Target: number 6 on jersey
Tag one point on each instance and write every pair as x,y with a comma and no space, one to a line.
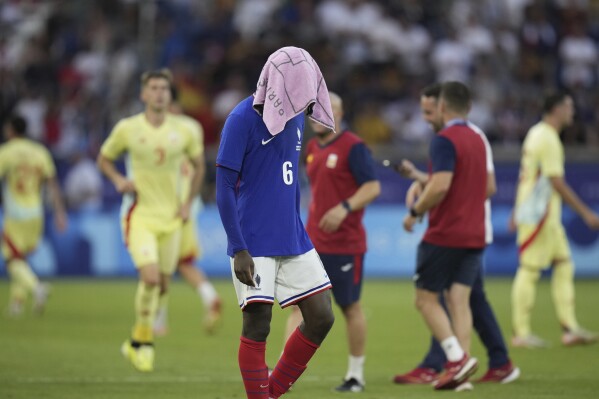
287,173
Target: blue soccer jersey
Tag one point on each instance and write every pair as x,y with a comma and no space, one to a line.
267,193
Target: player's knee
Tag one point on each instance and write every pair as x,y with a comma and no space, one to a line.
256,321
320,322
528,272
151,281
256,331
163,289
422,302
352,310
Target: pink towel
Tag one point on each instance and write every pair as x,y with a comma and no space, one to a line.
289,83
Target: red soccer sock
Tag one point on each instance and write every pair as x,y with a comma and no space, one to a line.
296,355
254,371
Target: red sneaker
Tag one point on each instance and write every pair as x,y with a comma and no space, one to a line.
419,375
457,372
503,375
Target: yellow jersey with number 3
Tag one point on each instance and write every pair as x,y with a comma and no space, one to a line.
24,165
542,158
154,159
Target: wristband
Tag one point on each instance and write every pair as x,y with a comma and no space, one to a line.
413,213
346,205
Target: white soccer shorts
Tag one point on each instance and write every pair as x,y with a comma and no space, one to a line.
289,279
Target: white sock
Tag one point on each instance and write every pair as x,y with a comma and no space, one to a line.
452,348
207,292
355,368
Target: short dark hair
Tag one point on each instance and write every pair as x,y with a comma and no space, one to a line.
457,96
163,73
18,124
552,99
432,90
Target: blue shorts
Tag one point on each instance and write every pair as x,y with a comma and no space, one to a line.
345,272
437,267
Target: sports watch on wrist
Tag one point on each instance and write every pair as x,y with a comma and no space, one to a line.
413,213
346,205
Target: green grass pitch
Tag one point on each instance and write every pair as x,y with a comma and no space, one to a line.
73,350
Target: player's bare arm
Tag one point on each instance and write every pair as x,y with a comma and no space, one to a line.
121,183
199,165
491,184
333,218
60,214
434,192
414,191
408,170
573,200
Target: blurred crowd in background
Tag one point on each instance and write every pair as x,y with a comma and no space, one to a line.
71,68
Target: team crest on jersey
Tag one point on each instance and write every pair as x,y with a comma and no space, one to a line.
332,161
298,147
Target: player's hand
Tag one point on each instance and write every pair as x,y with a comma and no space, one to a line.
125,186
243,265
592,221
60,221
185,211
331,220
413,193
406,169
408,223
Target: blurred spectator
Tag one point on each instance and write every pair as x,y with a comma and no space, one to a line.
83,184
451,58
69,66
578,54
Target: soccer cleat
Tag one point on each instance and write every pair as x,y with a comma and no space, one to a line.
420,375
579,337
457,373
530,342
213,316
40,298
464,386
503,375
141,358
351,385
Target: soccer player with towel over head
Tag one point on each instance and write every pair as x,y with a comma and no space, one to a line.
258,200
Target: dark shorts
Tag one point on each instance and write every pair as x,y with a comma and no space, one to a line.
437,267
345,273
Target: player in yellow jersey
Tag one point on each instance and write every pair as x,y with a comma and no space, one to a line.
190,248
24,167
542,240
152,212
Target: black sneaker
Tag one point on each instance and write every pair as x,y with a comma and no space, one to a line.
351,385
